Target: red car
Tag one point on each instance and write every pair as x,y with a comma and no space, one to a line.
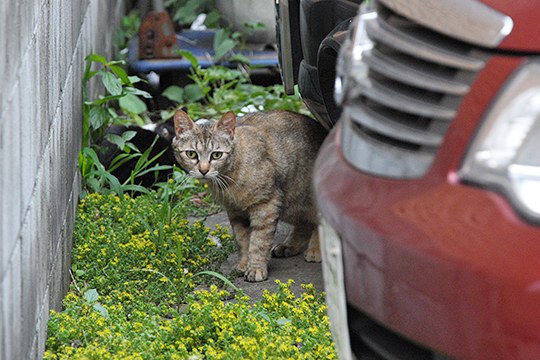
429,184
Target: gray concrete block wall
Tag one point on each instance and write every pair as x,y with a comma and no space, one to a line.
42,48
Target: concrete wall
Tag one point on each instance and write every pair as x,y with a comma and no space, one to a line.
42,48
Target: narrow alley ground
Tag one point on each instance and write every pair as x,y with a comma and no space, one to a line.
283,269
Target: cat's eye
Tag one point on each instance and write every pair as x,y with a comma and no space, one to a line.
191,154
216,155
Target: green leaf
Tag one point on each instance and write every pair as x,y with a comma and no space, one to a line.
91,295
132,147
188,12
134,79
220,277
121,159
174,93
114,183
98,117
90,154
264,315
254,25
90,74
74,269
222,44
93,184
128,135
212,19
101,309
144,161
116,140
154,168
240,59
220,36
96,58
105,99
190,57
111,82
223,48
135,91
137,188
116,62
121,73
132,104
193,93
283,321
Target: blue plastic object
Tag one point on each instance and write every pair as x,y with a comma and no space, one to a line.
200,44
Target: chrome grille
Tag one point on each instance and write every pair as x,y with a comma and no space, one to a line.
401,104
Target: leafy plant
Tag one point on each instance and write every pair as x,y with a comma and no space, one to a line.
184,12
91,298
279,326
136,265
139,244
120,88
120,105
224,42
97,178
218,89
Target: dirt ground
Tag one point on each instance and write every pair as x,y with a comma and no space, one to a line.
283,269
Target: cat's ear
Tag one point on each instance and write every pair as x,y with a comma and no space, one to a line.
227,123
182,122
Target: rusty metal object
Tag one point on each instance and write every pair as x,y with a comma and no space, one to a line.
156,36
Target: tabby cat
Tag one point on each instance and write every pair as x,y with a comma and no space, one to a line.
259,169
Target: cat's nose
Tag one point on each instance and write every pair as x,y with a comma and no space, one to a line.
204,167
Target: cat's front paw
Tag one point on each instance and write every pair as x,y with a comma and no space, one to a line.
313,254
285,250
256,274
241,266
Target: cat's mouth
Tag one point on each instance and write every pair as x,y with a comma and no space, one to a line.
204,178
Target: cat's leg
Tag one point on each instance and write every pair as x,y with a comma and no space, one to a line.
240,228
296,241
313,251
263,224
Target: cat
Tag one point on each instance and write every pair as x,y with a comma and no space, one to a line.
259,169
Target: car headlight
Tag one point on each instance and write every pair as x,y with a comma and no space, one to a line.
505,153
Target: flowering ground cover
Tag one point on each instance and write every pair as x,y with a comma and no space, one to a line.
138,267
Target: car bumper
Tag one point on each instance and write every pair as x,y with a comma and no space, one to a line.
445,265
332,264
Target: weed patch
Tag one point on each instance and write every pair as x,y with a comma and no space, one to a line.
136,265
279,326
137,246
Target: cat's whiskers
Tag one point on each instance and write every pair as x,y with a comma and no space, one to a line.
227,178
223,186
